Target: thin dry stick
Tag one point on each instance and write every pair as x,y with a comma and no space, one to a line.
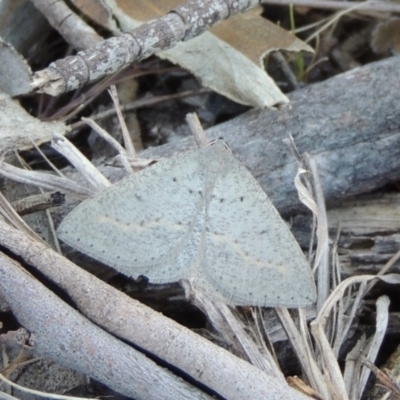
182,23
12,217
38,202
95,178
197,130
44,180
45,158
106,136
129,148
384,270
386,379
303,352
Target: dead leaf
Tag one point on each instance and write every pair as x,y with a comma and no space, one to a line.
227,60
386,37
97,11
19,129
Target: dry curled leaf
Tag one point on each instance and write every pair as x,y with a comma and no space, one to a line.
229,58
97,11
386,37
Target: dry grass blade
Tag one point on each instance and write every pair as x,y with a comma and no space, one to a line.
129,148
333,321
322,253
230,327
333,20
106,136
303,193
382,317
318,327
352,368
346,314
386,379
43,180
330,366
304,353
96,179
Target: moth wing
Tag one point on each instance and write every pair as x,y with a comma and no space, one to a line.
140,225
251,257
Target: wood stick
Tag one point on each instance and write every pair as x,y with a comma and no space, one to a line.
182,23
126,318
65,336
349,124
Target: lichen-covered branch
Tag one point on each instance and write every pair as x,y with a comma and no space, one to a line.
182,23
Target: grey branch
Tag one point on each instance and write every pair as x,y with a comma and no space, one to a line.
73,29
125,318
63,335
182,23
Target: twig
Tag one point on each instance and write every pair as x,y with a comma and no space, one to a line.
44,180
182,23
385,378
38,202
128,319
